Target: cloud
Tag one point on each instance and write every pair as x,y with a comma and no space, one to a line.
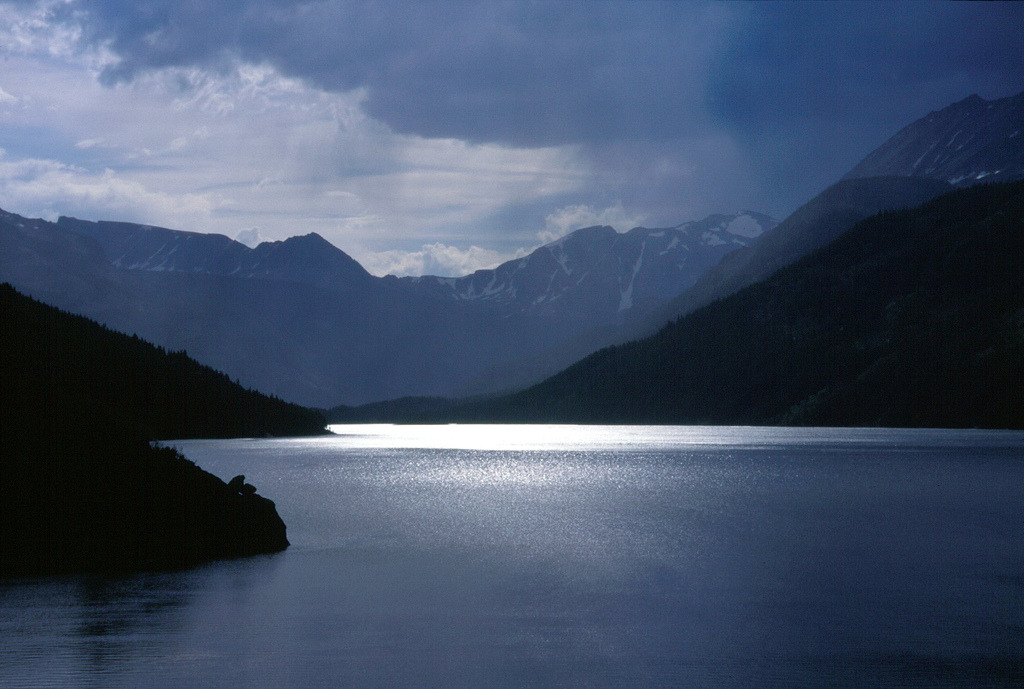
570,218
250,237
527,75
270,151
807,89
434,259
50,27
572,72
47,188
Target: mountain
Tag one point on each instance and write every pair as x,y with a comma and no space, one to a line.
302,320
971,141
965,143
82,489
55,356
300,340
911,318
309,259
813,225
604,274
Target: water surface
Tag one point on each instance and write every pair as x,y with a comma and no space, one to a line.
573,556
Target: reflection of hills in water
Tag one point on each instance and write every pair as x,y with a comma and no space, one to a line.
122,628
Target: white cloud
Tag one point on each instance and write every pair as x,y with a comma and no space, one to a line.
30,29
251,148
570,218
434,259
251,237
47,189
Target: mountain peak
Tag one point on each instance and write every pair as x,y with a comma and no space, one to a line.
585,234
308,238
973,140
973,99
308,258
311,239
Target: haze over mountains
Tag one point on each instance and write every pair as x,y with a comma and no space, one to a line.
302,320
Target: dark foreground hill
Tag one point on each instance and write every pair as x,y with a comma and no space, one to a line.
81,488
912,318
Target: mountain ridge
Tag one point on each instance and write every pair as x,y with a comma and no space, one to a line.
964,143
307,323
300,319
814,224
598,260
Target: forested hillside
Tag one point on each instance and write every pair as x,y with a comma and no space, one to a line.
55,360
81,488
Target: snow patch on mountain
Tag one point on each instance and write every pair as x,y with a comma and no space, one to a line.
626,295
744,225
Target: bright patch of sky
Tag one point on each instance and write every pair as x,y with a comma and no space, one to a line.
249,153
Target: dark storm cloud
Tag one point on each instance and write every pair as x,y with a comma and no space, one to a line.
802,90
520,73
825,61
821,84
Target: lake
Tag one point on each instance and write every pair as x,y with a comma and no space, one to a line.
573,556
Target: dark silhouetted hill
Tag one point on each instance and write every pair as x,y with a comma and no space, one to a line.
81,488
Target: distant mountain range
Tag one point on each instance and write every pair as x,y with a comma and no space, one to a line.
308,259
302,320
722,376
604,273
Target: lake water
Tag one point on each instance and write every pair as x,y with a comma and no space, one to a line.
568,556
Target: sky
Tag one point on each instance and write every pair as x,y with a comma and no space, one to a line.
444,137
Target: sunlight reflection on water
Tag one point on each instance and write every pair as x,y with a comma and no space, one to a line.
510,556
548,437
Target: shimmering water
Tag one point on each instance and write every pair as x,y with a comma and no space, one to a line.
554,556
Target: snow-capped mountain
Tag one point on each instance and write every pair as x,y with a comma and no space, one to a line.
605,272
968,142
